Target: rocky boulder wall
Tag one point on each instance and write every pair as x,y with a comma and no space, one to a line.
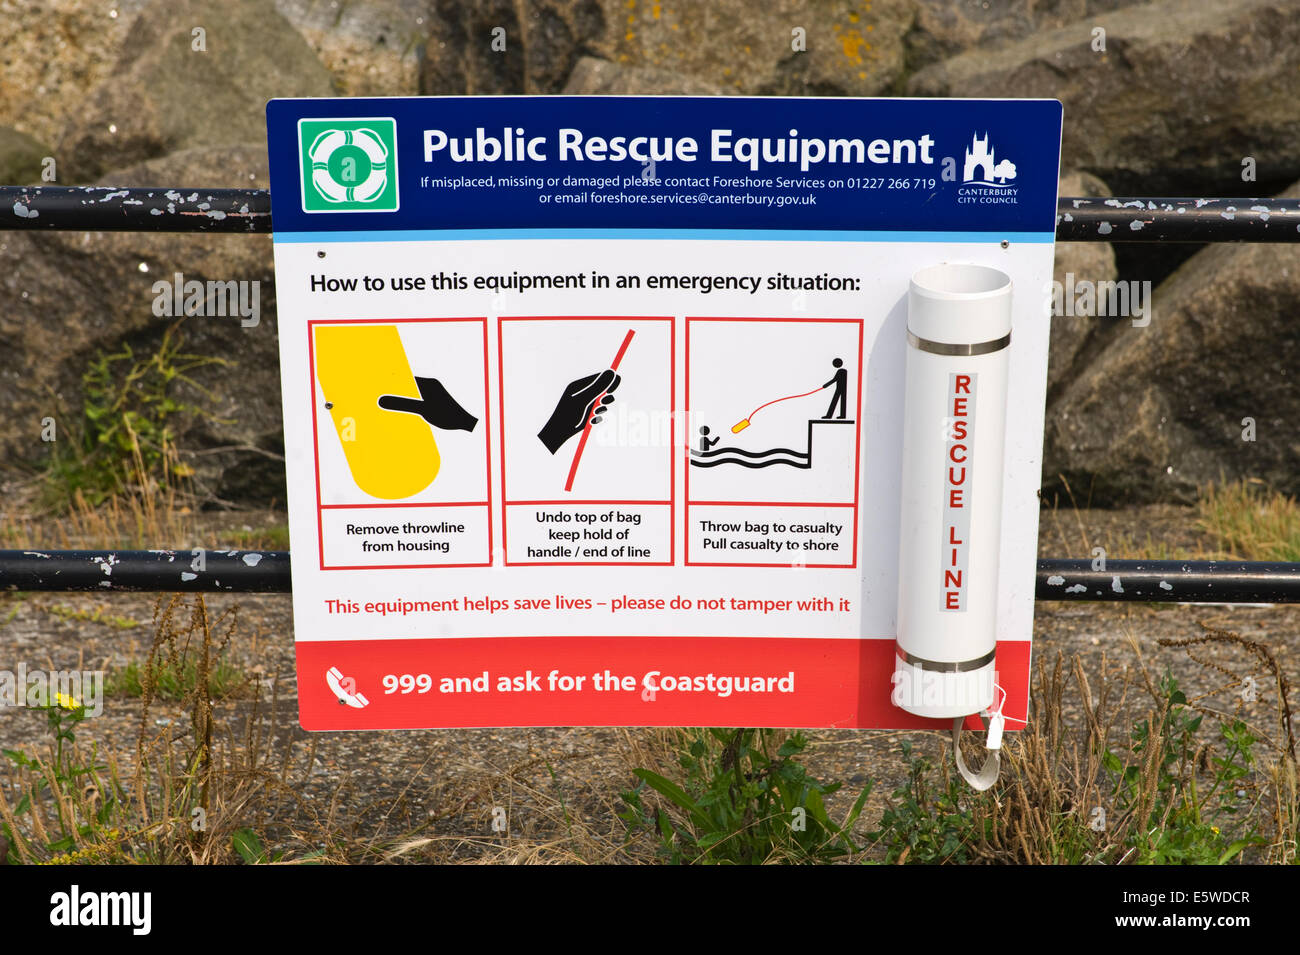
780,47
1182,93
68,297
166,95
1210,389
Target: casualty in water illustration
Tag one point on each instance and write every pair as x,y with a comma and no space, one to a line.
708,456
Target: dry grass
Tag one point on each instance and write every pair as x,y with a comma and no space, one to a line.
226,769
1276,729
1056,784
1074,538
249,773
530,789
184,792
144,518
1053,773
1249,522
1238,520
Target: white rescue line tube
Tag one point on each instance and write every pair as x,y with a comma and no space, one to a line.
954,431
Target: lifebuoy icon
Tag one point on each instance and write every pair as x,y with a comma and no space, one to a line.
337,181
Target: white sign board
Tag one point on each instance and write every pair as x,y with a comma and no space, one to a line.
593,406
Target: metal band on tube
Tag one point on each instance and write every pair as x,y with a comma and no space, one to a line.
962,666
945,348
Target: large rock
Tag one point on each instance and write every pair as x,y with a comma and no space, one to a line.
1181,94
1160,409
945,28
600,77
165,95
783,47
21,158
53,55
371,49
68,297
1077,331
503,46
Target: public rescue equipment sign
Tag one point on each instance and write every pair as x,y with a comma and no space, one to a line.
662,410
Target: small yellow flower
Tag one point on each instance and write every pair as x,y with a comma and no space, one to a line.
1215,829
65,701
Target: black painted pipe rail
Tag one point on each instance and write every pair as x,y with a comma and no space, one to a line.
168,571
109,209
1165,581
1177,220
160,209
1169,581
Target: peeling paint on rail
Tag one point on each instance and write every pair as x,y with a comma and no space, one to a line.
1237,582
1115,219
119,209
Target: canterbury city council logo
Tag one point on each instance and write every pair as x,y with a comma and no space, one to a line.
348,165
983,167
986,177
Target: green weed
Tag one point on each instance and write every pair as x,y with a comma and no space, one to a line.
741,803
125,440
95,615
54,811
173,680
925,821
272,537
1166,792
1173,819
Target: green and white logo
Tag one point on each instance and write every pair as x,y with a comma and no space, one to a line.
348,165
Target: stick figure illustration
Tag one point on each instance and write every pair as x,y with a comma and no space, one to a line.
840,380
705,441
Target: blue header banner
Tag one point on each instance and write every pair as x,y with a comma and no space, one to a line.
778,164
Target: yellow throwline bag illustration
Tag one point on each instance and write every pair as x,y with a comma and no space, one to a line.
390,455
368,385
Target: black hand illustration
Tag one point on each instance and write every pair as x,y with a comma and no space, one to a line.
435,405
577,405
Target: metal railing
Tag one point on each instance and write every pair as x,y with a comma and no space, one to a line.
246,211
1163,581
133,209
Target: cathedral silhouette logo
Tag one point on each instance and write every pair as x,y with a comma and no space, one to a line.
982,167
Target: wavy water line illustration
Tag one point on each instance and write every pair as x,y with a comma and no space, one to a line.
802,465
749,454
762,459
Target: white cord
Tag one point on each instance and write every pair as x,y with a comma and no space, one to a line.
988,773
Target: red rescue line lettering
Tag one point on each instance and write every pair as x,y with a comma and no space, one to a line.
960,404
